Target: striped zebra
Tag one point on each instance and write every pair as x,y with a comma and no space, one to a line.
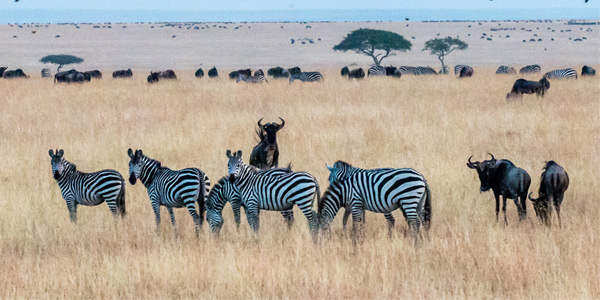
45,73
89,189
506,70
424,71
276,193
307,77
342,171
170,188
406,70
376,71
381,192
251,79
567,73
530,69
459,68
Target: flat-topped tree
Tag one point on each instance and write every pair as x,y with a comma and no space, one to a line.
443,47
61,60
378,44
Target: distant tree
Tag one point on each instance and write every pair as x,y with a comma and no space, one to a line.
378,44
443,47
61,60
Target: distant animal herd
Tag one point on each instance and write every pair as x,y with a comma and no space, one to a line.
263,185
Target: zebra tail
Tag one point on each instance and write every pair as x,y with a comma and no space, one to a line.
202,195
318,204
121,201
426,209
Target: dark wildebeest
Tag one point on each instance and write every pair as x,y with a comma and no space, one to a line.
235,74
86,76
265,155
505,180
18,73
359,74
94,73
553,185
168,74
294,71
391,71
153,77
523,86
2,69
213,72
466,71
199,73
122,73
345,71
278,72
588,71
69,76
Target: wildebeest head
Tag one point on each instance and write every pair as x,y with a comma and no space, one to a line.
58,163
153,77
269,131
2,69
135,164
540,205
234,165
483,170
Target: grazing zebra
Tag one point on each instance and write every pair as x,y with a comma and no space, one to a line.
382,192
88,189
530,69
506,70
424,71
406,70
307,77
376,71
278,193
225,191
459,68
561,74
170,188
251,79
342,171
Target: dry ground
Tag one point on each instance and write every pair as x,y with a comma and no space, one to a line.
432,124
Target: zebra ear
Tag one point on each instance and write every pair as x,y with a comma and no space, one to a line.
329,168
51,152
239,153
130,153
228,153
60,153
139,153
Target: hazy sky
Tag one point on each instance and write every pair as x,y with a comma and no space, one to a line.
229,5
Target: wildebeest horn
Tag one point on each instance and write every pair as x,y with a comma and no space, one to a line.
492,156
260,125
282,123
471,164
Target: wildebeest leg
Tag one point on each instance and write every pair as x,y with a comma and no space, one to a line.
557,202
504,209
497,205
391,222
170,210
288,216
518,205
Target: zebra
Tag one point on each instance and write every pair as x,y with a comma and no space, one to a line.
342,171
567,73
263,192
225,191
376,71
170,188
459,68
424,71
406,70
530,69
307,77
506,70
89,189
381,192
251,79
45,73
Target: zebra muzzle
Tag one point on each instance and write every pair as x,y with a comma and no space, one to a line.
132,178
232,178
56,175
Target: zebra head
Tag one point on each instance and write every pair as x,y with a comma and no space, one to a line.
338,171
135,165
58,163
234,165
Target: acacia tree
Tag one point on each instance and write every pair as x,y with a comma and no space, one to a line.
443,47
378,44
61,60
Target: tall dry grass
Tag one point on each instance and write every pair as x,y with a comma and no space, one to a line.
432,124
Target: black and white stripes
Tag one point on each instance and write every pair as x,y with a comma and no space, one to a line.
561,74
307,77
530,69
376,71
88,189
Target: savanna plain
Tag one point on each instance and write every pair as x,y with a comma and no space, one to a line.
431,123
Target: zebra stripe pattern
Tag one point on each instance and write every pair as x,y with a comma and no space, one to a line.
251,79
381,192
424,71
561,74
89,189
277,193
406,70
458,68
170,188
506,70
530,69
307,77
376,71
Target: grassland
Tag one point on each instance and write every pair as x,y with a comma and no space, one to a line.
432,124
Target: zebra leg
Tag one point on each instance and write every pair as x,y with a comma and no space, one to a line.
414,228
313,220
347,212
170,210
191,206
72,207
235,206
288,216
357,222
253,216
391,222
156,209
112,205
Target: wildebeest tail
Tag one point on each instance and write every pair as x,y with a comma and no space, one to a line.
121,200
425,208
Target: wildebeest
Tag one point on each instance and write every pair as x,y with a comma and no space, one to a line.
2,69
530,69
466,71
265,155
523,86
259,72
359,74
94,73
588,71
213,73
506,180
391,71
554,183
234,74
122,73
199,73
294,71
345,71
278,72
155,76
70,76
18,73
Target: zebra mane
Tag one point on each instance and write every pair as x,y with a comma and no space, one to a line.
261,135
215,189
341,164
152,160
70,165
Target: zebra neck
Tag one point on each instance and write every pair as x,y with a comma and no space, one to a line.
216,197
68,173
150,169
247,173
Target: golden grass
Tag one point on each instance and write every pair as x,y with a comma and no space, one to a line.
432,124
